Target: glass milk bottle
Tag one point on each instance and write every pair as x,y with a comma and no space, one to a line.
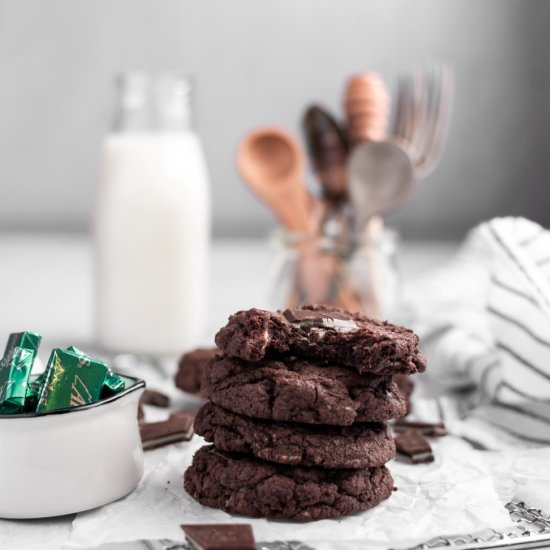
152,221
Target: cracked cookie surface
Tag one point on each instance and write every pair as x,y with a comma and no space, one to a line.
356,446
253,487
325,334
298,391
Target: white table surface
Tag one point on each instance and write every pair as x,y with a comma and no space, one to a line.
46,285
46,281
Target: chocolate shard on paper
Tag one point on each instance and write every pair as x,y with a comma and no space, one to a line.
415,446
179,427
155,398
234,536
429,429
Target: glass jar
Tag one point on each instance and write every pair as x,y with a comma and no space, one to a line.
152,221
358,275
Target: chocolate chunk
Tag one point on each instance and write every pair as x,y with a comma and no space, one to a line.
299,391
241,484
355,446
234,536
339,337
317,316
430,429
415,446
155,398
190,369
303,318
179,427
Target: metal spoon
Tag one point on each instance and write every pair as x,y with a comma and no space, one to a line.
380,176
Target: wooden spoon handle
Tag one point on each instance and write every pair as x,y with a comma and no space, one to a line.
367,107
271,162
292,204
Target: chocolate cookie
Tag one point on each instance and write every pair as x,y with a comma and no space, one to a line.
323,333
357,446
253,487
191,367
298,391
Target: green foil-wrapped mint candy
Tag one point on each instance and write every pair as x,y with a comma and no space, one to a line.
113,383
15,370
33,391
71,379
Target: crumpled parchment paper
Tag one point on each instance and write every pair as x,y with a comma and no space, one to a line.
455,494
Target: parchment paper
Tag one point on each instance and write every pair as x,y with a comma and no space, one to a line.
453,495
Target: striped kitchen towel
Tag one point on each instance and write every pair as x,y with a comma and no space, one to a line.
485,326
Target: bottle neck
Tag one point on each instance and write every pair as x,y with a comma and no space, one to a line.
153,104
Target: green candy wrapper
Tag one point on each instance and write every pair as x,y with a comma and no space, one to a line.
28,340
113,383
15,370
33,391
71,379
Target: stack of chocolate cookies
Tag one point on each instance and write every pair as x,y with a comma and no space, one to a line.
297,412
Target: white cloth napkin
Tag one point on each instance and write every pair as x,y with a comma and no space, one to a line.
484,323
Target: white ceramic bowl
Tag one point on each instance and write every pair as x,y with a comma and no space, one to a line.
69,460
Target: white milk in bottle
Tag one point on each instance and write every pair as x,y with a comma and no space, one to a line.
152,222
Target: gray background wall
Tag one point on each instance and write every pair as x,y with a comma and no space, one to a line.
262,62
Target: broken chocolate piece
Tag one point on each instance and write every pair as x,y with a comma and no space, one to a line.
297,315
320,319
415,446
155,398
236,536
179,427
429,429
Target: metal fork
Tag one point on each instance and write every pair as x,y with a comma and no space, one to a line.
423,108
382,174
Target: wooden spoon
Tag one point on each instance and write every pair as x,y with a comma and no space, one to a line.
272,163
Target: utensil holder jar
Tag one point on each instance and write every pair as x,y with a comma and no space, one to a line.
359,273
